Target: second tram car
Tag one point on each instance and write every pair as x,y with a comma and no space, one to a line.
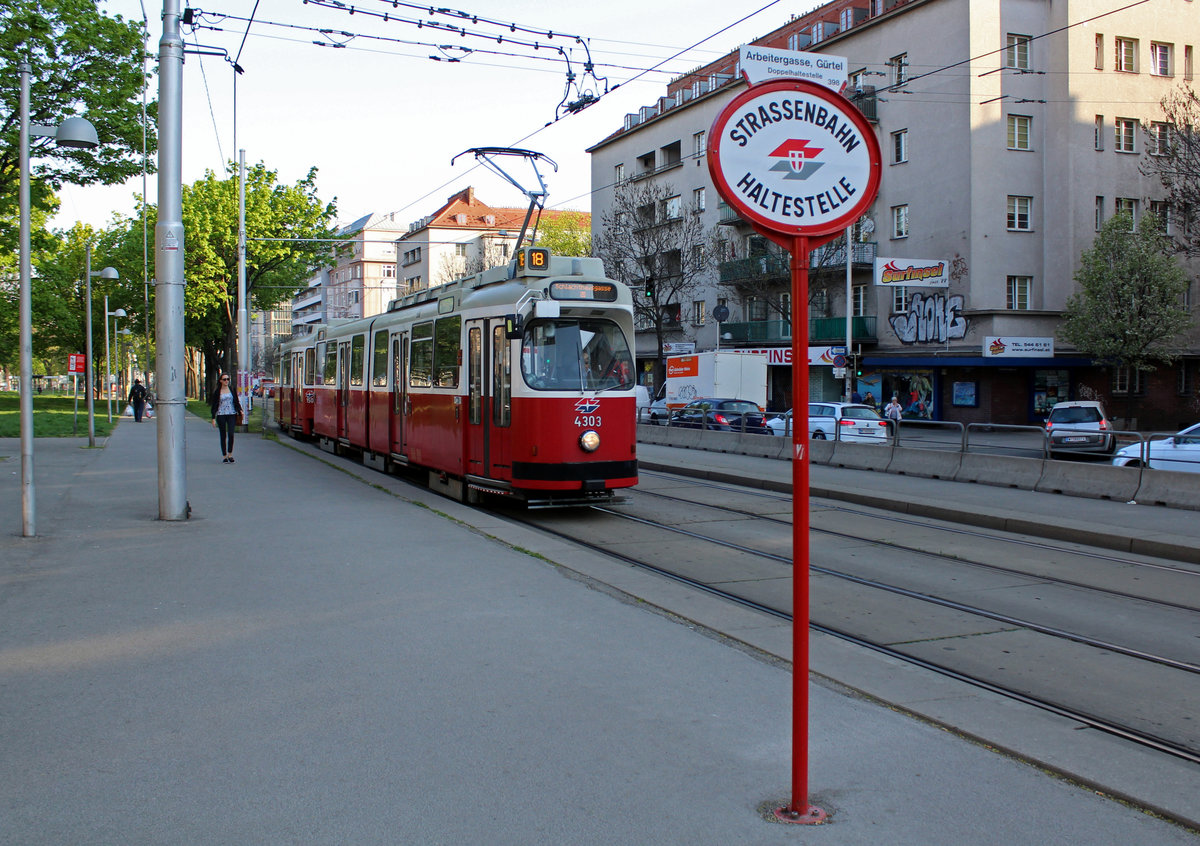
517,381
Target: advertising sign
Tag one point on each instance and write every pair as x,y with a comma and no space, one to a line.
912,273
1010,347
763,64
794,158
76,363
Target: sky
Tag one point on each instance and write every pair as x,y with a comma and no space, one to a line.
381,121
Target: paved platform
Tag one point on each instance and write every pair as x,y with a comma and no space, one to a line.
311,659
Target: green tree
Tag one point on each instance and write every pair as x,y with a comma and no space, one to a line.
1128,310
288,235
82,62
566,233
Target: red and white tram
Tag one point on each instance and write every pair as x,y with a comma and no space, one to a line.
295,391
517,381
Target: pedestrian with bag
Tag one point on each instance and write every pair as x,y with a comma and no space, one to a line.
137,399
226,411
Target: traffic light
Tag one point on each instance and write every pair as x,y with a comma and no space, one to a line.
650,288
858,367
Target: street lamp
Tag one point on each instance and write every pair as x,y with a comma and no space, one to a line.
107,358
109,273
72,132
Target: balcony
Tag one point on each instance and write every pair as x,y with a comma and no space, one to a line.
777,266
821,330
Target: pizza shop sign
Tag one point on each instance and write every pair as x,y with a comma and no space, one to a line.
795,158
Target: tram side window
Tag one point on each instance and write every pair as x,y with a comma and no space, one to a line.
501,378
330,364
310,366
379,368
357,356
447,357
475,377
420,356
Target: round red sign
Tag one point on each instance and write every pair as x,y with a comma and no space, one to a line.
794,157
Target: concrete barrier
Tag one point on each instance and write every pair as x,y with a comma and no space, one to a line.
861,456
926,463
762,446
1099,481
1170,488
819,452
1005,471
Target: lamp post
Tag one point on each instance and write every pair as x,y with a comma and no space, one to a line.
107,358
109,273
72,132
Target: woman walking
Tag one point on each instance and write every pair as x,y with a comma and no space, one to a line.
226,411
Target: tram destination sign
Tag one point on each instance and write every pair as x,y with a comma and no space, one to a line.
601,291
795,158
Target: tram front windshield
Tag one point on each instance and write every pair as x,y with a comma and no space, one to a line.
574,355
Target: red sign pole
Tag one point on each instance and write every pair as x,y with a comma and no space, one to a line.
799,811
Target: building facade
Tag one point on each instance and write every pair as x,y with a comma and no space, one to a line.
464,236
1010,130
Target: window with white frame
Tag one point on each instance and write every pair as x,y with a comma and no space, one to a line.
698,312
898,69
671,208
1016,52
699,144
1161,209
785,304
900,146
1187,62
1099,213
1099,51
846,19
1127,205
900,221
1159,138
699,199
899,299
1020,212
619,174
460,250
1160,59
858,301
1019,132
1017,290
1126,58
1125,135
1128,380
756,308
389,271
1098,140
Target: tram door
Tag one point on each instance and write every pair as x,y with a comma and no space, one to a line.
489,399
343,389
400,405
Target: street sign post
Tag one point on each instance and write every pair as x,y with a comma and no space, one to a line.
801,164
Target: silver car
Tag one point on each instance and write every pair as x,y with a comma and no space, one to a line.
1180,452
842,421
1080,426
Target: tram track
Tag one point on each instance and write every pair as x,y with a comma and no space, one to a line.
959,559
1120,669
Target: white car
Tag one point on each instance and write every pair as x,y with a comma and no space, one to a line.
1180,452
842,421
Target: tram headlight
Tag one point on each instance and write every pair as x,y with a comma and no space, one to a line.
590,440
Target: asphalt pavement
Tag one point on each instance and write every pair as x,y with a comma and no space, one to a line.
325,654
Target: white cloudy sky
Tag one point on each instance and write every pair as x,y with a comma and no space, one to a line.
382,121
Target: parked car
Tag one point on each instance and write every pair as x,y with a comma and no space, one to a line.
845,421
1180,452
722,414
656,413
1080,426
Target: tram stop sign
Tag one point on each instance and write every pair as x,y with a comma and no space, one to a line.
794,158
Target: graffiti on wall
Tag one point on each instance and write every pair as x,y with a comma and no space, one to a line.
931,319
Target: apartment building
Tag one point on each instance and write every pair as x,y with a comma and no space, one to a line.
1011,130
465,235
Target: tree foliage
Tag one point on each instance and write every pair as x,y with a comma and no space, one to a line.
655,242
1173,157
289,231
1128,309
566,233
82,63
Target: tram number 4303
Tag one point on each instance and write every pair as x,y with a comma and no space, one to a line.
592,421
